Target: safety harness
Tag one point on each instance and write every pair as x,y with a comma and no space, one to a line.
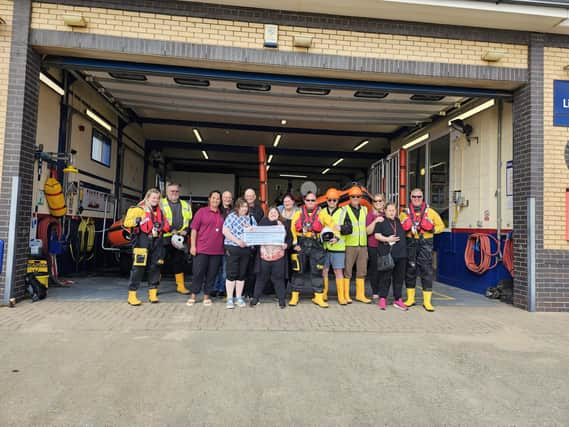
308,223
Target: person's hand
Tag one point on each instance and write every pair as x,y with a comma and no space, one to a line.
183,233
284,245
242,244
193,251
393,238
333,240
297,248
379,219
337,228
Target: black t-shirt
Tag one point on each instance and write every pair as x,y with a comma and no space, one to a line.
387,228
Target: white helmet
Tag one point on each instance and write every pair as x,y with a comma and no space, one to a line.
178,241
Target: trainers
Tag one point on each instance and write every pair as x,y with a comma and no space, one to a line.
399,304
382,304
241,302
229,303
375,299
254,302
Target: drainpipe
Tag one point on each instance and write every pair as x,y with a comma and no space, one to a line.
499,180
402,179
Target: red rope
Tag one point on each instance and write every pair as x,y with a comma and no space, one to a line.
486,254
508,258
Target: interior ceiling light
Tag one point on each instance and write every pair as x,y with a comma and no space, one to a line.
268,167
270,159
416,141
191,82
95,117
128,76
337,162
198,136
370,94
325,171
426,97
51,84
277,140
283,122
205,154
288,175
312,91
361,145
260,87
473,111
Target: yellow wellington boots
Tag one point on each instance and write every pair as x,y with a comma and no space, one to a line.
347,290
153,295
341,292
180,287
325,291
410,301
132,299
319,300
361,291
294,298
427,301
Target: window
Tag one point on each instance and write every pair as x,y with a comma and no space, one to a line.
417,170
101,148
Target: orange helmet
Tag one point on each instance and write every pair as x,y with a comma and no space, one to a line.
355,191
332,193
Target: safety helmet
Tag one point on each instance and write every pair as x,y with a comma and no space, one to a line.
178,241
332,193
326,234
355,191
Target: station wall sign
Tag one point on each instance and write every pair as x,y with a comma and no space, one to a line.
560,103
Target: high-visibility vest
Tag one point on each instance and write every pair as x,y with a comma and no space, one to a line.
359,234
338,218
186,214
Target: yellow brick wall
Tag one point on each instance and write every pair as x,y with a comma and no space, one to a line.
250,35
6,7
556,174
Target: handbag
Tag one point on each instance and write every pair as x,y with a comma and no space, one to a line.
385,262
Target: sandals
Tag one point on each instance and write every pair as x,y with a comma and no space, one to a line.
191,302
207,302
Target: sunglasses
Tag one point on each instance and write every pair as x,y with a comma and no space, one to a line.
378,201
309,200
416,197
355,197
333,200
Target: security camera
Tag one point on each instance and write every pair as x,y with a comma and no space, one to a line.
462,127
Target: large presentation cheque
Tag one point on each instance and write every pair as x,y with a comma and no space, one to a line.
265,235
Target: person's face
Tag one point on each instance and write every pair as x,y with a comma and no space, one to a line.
227,198
332,203
173,193
378,203
310,201
214,200
273,214
416,198
250,196
288,203
355,200
243,209
390,212
154,199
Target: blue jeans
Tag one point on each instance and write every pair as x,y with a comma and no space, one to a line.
219,284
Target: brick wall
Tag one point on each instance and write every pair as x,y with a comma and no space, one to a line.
155,26
5,40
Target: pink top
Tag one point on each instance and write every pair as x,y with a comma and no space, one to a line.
371,240
209,226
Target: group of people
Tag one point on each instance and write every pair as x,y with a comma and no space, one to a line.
348,239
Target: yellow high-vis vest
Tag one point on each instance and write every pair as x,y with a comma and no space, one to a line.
186,214
359,234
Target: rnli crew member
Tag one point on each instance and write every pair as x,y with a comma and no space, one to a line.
148,225
335,248
308,256
421,223
356,246
179,214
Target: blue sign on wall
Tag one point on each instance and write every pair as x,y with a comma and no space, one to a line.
561,103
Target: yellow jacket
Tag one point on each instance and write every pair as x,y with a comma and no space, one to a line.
324,218
433,216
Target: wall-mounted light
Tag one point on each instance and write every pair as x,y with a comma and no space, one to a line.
337,162
325,171
493,55
277,140
283,122
198,136
566,67
51,84
361,145
302,41
74,21
288,175
204,153
473,111
98,119
416,141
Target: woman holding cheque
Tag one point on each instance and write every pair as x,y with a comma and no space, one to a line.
272,263
391,242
